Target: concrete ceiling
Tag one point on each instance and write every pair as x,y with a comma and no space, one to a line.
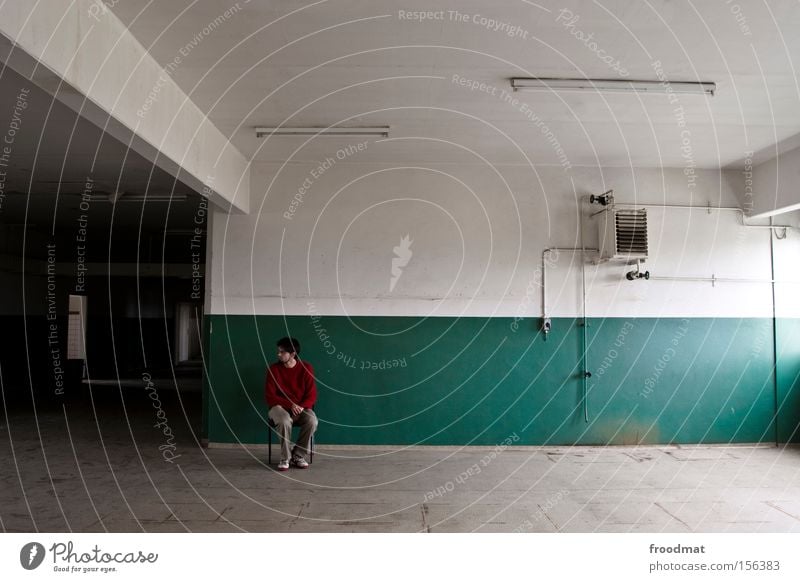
364,63
53,152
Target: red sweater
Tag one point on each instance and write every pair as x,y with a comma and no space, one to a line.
286,386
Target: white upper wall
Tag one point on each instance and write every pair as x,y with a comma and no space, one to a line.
787,257
323,239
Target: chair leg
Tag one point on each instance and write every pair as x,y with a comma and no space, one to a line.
269,445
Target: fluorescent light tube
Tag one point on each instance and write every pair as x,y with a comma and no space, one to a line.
381,130
613,85
100,197
152,198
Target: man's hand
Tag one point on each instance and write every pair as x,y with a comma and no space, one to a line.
296,410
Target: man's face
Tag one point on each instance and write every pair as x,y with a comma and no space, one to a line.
284,356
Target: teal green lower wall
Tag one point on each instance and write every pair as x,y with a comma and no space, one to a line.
479,381
788,385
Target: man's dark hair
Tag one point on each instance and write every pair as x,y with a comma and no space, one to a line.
289,344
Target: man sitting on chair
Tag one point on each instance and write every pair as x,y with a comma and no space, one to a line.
291,391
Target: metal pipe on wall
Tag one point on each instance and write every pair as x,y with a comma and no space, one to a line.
774,330
585,373
557,249
714,280
742,216
585,324
584,351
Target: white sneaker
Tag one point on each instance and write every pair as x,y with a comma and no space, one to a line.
299,462
283,465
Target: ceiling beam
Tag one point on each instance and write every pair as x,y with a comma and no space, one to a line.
89,60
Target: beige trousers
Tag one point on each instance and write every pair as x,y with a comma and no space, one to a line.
306,420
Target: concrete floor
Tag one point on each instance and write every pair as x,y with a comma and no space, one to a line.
104,472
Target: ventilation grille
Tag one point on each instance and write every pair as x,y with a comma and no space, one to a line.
631,231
